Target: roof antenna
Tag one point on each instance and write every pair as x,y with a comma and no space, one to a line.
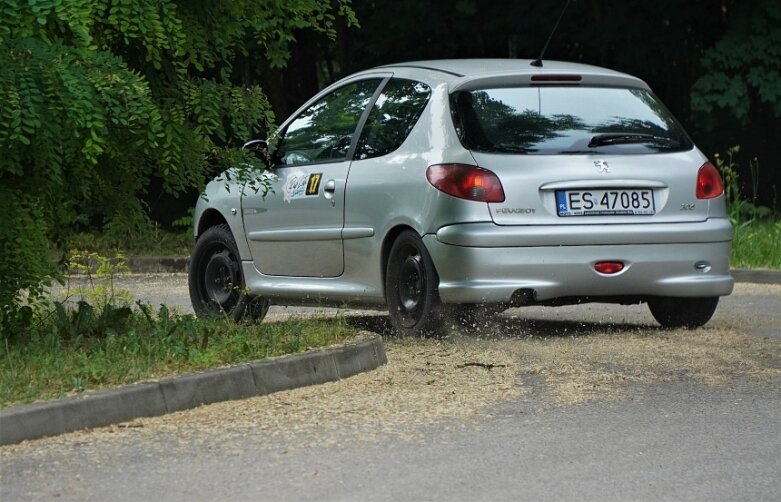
538,62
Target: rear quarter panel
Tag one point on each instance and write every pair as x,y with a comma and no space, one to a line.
391,191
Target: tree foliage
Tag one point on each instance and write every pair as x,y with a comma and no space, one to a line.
98,97
743,70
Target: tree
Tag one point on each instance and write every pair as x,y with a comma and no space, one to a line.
97,97
743,70
737,98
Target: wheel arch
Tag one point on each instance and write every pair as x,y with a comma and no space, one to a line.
411,284
387,244
210,218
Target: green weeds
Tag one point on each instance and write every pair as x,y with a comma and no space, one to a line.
756,242
740,209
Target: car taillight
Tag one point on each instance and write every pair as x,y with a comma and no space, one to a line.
709,184
466,182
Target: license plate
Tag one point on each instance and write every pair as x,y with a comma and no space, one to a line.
632,202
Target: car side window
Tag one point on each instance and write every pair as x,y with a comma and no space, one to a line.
324,131
392,117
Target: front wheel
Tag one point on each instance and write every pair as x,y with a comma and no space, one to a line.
216,281
673,312
411,283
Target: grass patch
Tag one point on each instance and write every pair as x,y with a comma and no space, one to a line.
757,244
93,336
92,350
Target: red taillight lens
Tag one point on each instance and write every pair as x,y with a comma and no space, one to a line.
709,184
608,267
466,182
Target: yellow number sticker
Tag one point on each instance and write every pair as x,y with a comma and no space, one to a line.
313,186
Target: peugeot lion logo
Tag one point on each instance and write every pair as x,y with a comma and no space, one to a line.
602,165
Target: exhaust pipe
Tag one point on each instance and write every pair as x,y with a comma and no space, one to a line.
523,297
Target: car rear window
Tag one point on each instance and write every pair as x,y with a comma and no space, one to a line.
566,120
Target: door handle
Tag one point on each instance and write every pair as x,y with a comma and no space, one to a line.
328,191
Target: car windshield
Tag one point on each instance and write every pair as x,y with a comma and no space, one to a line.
566,120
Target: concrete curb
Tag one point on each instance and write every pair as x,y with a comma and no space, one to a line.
151,399
759,276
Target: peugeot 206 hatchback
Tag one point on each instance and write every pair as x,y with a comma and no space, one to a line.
466,186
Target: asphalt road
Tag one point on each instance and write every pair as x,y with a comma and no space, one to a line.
677,440
671,442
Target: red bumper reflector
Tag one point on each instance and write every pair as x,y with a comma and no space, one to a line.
609,267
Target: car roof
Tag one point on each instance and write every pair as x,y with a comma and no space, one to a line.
465,74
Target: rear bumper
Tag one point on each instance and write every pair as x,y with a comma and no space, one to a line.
477,269
491,235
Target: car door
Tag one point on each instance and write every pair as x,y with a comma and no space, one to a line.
296,228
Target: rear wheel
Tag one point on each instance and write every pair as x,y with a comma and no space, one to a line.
411,288
216,281
673,312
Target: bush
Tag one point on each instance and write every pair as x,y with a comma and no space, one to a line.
100,97
25,263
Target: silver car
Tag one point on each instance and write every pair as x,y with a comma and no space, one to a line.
461,187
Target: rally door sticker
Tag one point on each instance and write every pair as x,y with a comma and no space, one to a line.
299,185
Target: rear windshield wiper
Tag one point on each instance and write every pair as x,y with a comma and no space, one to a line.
620,138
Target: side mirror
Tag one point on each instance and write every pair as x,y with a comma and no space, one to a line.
256,145
260,149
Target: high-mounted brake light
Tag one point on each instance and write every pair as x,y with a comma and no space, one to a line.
466,182
556,78
709,184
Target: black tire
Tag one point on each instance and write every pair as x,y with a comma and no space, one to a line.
673,312
216,282
411,283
